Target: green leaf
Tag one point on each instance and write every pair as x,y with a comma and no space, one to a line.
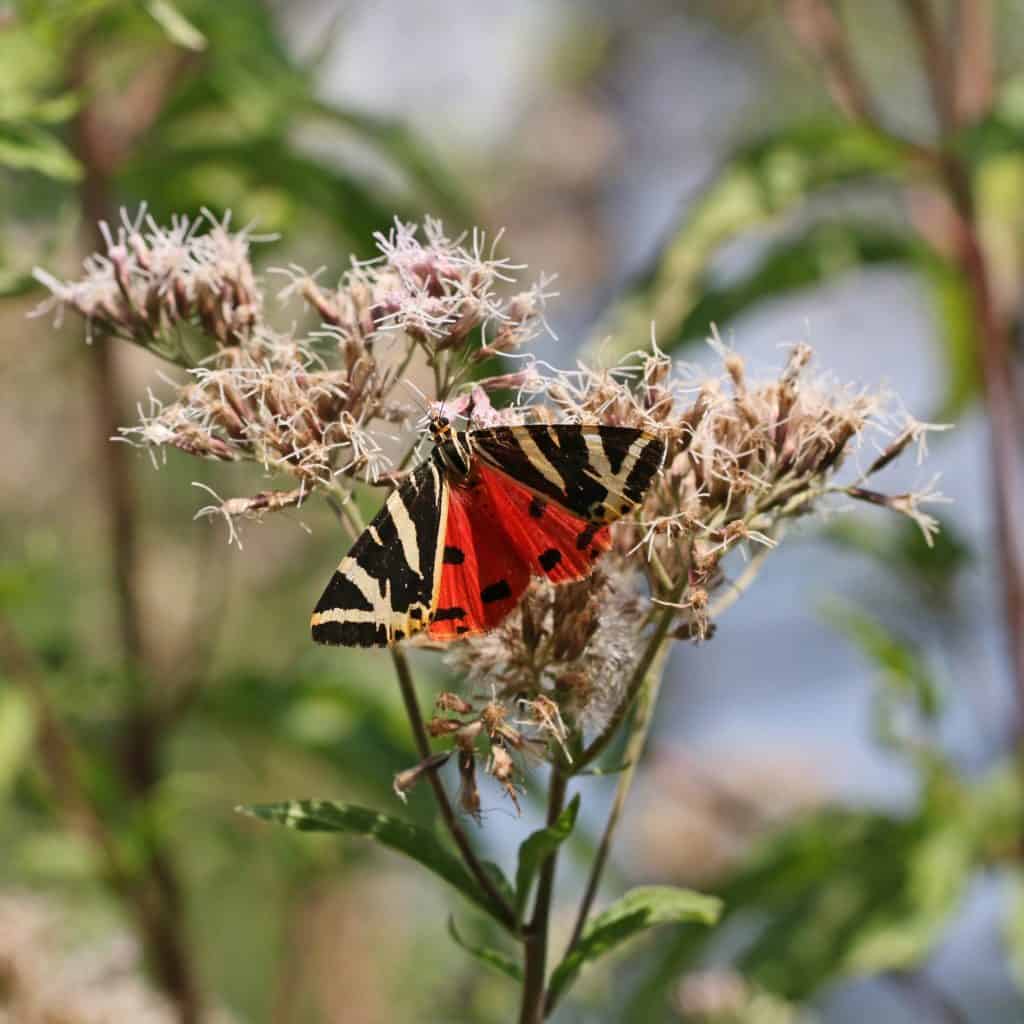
956,328
409,153
177,27
835,893
263,179
491,957
641,908
17,731
902,667
415,842
823,252
899,547
26,147
16,282
538,846
758,183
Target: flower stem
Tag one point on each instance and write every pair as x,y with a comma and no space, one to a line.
639,729
503,911
535,940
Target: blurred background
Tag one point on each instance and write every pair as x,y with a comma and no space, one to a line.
841,761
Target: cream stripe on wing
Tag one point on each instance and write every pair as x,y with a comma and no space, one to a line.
406,534
540,461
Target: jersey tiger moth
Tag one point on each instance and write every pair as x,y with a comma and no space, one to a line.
457,543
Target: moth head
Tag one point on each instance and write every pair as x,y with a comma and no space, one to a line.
440,428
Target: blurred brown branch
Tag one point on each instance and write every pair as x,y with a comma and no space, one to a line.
101,150
960,84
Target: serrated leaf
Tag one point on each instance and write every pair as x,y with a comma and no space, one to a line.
641,908
492,957
411,840
26,147
538,846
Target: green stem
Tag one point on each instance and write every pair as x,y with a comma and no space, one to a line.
503,910
639,730
535,939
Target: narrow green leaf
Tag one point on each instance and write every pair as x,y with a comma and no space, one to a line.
177,27
956,329
538,846
822,253
409,153
756,184
17,730
902,667
15,282
26,147
491,957
641,908
899,547
413,841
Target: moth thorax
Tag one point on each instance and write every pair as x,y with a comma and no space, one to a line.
455,453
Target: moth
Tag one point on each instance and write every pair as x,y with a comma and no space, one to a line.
456,544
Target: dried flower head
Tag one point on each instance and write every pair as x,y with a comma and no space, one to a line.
743,455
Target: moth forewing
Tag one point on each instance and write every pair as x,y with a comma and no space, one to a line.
596,472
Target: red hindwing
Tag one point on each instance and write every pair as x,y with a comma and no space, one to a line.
499,534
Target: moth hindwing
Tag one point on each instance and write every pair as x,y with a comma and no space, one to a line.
386,586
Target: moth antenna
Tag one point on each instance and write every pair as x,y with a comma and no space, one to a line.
422,402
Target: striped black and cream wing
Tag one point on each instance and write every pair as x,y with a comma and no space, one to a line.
385,587
598,473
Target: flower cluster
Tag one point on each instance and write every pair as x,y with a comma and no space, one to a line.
317,408
153,283
743,456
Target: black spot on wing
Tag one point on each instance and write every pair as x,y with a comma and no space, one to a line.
585,536
537,507
563,446
449,614
453,555
495,592
549,559
351,634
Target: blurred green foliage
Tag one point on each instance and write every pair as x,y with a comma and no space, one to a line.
208,108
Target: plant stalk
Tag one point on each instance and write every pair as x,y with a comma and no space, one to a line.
503,910
535,940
